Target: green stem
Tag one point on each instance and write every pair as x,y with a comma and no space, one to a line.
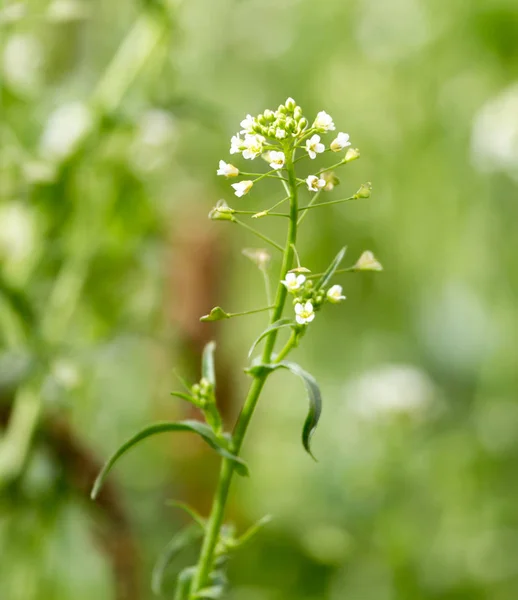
260,235
215,521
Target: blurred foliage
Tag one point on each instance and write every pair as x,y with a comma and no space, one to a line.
113,116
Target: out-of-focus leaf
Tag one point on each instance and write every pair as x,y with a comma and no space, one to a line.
186,397
251,531
207,363
202,429
183,587
212,593
181,540
216,314
190,511
273,327
330,271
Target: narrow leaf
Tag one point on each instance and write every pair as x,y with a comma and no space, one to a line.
251,531
186,397
330,271
183,587
212,593
207,363
202,429
216,314
181,540
315,398
190,511
273,327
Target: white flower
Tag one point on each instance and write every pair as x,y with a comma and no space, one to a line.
324,122
253,146
293,282
315,183
247,124
340,142
66,128
314,147
277,159
280,134
304,313
227,170
242,187
334,294
235,144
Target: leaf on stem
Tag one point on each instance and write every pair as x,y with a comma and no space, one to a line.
186,397
183,587
178,542
252,531
213,593
202,429
273,327
207,363
330,271
195,515
216,314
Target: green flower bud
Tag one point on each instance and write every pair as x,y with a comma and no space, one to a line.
222,212
269,115
196,390
297,113
262,119
290,104
282,109
271,131
290,124
303,125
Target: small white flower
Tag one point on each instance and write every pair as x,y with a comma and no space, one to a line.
236,144
324,122
227,170
247,124
242,187
280,134
314,147
253,146
304,313
315,183
334,294
340,142
276,159
293,282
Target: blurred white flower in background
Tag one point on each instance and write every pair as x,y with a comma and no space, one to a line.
64,131
67,10
494,142
390,390
22,63
17,233
154,141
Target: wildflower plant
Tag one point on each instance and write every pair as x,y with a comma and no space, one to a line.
286,140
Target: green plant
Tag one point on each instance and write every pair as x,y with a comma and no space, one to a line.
276,136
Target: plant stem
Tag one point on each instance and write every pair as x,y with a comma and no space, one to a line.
215,521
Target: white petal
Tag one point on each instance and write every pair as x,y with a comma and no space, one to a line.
310,318
308,307
300,279
300,320
299,308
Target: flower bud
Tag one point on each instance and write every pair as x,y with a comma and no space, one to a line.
290,104
364,191
290,124
195,390
297,113
282,109
303,124
271,131
268,115
262,119
351,154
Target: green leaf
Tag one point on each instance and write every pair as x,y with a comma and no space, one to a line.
190,511
251,531
213,593
328,274
207,363
273,327
183,587
202,429
216,314
315,397
186,397
181,540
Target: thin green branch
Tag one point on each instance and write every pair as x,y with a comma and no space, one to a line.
310,205
260,235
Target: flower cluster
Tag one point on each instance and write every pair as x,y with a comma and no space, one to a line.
276,135
308,297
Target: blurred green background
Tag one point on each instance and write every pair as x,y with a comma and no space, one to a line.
113,117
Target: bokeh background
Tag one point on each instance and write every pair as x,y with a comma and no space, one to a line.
113,117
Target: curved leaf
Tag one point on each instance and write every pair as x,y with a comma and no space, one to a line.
186,397
251,531
182,539
190,511
183,587
273,327
213,593
330,271
202,429
315,398
207,363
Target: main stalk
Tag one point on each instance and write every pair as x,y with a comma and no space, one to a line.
215,522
